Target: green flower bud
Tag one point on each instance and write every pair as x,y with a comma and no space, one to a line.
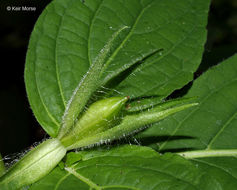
100,116
34,165
133,123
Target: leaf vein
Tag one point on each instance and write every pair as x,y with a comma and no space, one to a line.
61,180
55,54
215,166
194,110
128,35
89,33
221,130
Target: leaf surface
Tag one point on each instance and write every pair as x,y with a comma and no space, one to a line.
210,126
162,48
57,59
126,167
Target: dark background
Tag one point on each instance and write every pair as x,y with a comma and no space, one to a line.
18,127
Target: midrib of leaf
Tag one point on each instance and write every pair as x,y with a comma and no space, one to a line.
215,166
56,63
57,73
127,37
58,81
55,54
168,52
41,99
61,180
163,55
222,129
75,172
89,34
91,184
194,110
82,178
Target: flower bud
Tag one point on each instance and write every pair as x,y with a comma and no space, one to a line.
100,116
34,165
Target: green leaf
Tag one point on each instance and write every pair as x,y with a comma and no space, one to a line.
126,167
212,124
211,127
177,30
163,42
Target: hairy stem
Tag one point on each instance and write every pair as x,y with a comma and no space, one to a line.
34,165
209,153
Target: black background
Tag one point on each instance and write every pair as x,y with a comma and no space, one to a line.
18,127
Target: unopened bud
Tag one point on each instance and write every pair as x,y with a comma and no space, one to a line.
34,165
99,117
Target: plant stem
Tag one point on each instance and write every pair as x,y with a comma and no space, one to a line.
209,153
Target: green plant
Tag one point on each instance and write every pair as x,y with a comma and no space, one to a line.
99,70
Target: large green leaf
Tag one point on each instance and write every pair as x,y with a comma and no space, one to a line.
126,167
211,126
70,34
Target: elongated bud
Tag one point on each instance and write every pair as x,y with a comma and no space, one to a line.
132,123
34,165
100,116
